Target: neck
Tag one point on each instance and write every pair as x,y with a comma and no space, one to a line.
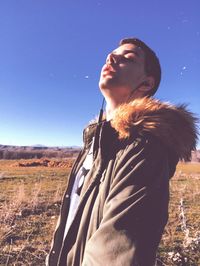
113,102
110,108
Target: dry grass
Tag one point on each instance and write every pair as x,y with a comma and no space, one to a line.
29,205
181,241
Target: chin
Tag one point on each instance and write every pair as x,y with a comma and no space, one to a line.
108,83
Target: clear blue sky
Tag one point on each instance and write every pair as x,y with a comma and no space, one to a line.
51,54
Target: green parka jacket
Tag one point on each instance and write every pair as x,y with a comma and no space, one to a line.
124,200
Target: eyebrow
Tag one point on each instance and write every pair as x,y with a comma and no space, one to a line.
129,51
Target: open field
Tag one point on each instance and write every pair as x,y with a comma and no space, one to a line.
180,244
29,206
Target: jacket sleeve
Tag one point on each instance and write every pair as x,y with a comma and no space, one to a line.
135,211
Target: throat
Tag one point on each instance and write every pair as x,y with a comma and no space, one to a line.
110,109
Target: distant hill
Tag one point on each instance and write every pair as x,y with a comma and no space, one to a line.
29,152
38,151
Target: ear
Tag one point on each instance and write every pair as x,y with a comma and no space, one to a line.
147,85
144,88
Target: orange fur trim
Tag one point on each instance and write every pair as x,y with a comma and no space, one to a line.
174,126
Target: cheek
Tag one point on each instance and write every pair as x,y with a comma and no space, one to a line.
136,73
128,71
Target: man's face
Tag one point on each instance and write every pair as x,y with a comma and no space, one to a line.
123,72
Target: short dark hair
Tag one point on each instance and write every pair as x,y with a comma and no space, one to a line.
152,64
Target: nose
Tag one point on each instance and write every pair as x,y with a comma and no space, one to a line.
112,58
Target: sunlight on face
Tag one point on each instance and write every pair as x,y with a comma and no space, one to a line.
123,72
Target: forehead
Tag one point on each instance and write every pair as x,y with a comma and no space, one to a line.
124,48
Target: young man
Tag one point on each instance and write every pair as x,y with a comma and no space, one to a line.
116,204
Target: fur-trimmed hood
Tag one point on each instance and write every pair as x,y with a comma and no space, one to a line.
175,126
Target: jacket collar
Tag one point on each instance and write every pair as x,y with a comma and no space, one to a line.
175,126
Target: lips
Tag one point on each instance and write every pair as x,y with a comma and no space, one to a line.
108,69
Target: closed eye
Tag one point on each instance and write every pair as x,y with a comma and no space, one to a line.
130,55
128,58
